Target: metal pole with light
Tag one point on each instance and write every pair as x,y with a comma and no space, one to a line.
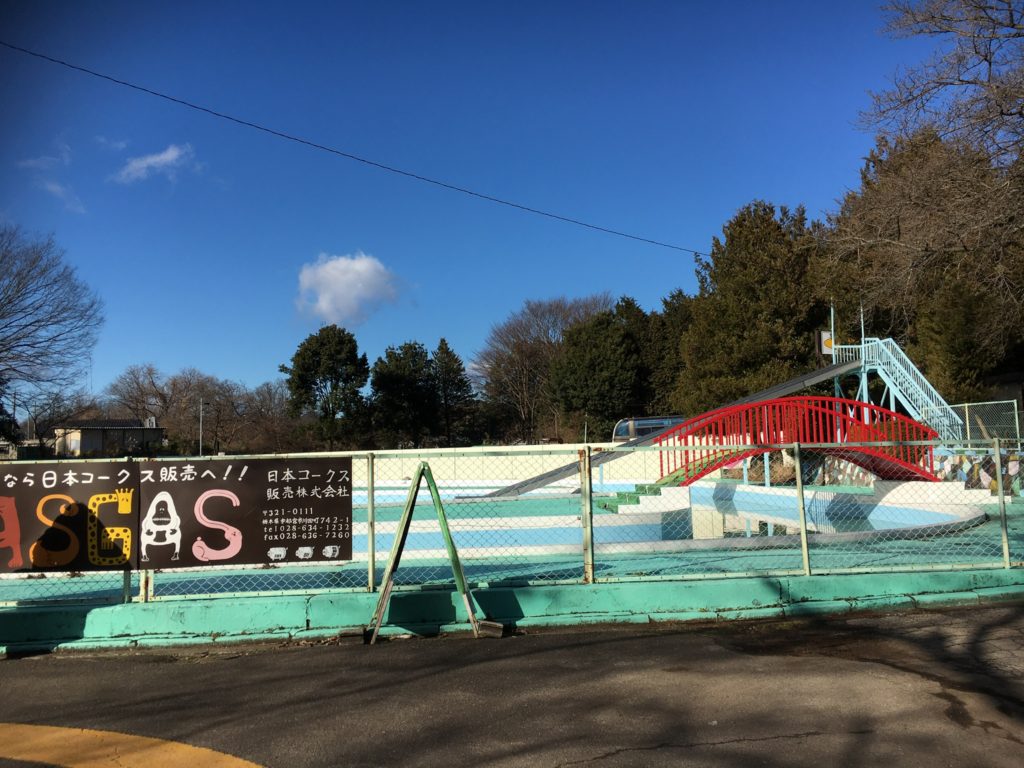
201,404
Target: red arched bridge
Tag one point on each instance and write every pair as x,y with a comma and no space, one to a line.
726,435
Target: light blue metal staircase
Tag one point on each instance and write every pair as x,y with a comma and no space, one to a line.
904,382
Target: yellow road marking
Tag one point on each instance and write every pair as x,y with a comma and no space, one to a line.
85,748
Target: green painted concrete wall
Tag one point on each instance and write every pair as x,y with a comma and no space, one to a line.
232,619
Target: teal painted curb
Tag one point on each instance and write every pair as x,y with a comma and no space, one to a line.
288,617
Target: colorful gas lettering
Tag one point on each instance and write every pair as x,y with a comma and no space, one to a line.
234,536
111,536
91,516
41,556
10,535
160,526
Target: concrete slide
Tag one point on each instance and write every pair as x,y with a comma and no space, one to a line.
796,384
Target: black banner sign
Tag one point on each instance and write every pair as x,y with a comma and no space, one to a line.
68,516
196,513
89,516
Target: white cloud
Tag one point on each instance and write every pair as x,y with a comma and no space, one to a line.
168,163
44,162
116,145
345,289
39,163
64,193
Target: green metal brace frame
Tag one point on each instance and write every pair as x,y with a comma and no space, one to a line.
422,471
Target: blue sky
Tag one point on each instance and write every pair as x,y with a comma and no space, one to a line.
222,248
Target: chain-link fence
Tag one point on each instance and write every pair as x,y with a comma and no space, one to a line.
988,421
67,586
565,515
504,533
773,510
901,524
738,520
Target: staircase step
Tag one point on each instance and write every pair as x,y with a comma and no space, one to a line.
631,498
649,489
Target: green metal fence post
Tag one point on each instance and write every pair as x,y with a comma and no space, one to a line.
401,536
453,552
371,539
798,469
1002,503
395,558
587,516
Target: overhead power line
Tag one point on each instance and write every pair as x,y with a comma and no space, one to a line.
347,155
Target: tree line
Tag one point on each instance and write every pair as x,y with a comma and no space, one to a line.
927,249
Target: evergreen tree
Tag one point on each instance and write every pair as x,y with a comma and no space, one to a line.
643,332
325,378
455,397
667,330
600,371
403,396
754,318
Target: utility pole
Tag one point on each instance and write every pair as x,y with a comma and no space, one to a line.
201,404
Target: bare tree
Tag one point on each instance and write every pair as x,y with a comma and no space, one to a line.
932,246
514,365
269,427
175,401
929,212
224,404
8,424
140,392
972,88
221,402
48,317
53,407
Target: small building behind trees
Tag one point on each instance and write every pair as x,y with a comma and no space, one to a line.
107,437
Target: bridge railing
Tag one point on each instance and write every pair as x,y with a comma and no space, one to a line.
784,508
697,442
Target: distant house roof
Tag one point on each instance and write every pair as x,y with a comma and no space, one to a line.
103,424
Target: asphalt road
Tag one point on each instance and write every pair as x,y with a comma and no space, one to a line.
927,688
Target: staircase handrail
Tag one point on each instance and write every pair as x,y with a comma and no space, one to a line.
886,356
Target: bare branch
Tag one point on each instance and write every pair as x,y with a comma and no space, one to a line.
515,363
48,317
972,89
